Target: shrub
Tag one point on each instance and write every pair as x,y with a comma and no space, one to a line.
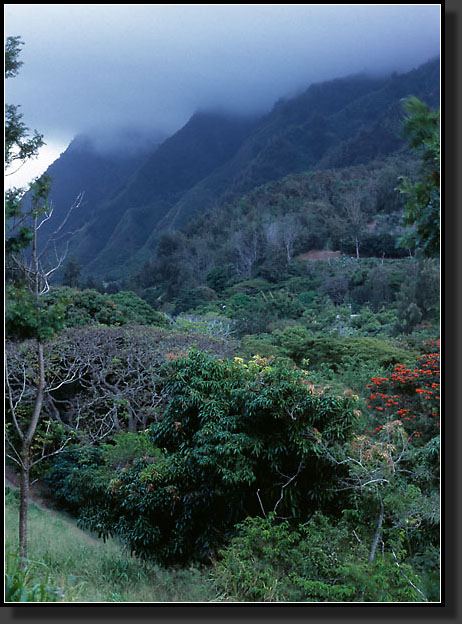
126,447
317,561
137,310
192,298
89,307
250,287
219,277
261,344
270,561
234,440
208,324
253,314
73,475
299,343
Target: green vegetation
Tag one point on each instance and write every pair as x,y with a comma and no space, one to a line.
73,566
319,561
254,414
22,584
422,210
87,307
229,434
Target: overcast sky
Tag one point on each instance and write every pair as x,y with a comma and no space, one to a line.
100,67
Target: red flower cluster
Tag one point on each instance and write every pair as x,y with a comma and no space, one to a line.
410,394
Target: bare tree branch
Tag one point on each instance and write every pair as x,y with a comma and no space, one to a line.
261,504
288,482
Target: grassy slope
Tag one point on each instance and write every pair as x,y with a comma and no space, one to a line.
88,570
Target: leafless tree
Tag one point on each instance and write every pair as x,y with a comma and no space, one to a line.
122,385
351,218
290,234
247,246
92,382
272,232
283,233
35,274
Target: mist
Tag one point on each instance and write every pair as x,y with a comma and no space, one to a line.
141,71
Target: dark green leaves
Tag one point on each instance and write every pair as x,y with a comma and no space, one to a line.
422,211
236,441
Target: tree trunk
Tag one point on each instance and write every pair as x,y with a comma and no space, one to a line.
375,542
25,457
24,492
377,534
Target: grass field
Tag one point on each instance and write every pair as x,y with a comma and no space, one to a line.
87,570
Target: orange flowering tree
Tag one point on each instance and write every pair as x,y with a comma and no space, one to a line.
410,394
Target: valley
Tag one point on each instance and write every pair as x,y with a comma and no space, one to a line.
224,364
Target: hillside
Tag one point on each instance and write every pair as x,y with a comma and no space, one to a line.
76,567
214,158
98,174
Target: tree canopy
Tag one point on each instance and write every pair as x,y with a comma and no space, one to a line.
422,211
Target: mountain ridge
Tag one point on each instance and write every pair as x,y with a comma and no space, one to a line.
217,156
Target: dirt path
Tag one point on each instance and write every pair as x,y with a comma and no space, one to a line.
8,482
38,491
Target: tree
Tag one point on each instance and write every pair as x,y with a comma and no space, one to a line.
171,267
418,297
29,275
350,220
233,440
411,394
247,247
284,233
336,286
25,306
421,127
71,273
387,494
20,146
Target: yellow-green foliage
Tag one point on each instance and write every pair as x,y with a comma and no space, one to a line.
318,561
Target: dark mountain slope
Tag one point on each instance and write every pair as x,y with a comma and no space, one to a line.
204,143
378,135
215,158
335,124
98,175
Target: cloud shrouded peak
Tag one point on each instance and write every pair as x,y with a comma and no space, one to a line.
99,68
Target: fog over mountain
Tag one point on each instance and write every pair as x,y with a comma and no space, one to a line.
137,69
132,197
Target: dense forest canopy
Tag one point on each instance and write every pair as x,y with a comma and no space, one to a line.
238,367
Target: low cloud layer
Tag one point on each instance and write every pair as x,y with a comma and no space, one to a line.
92,68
